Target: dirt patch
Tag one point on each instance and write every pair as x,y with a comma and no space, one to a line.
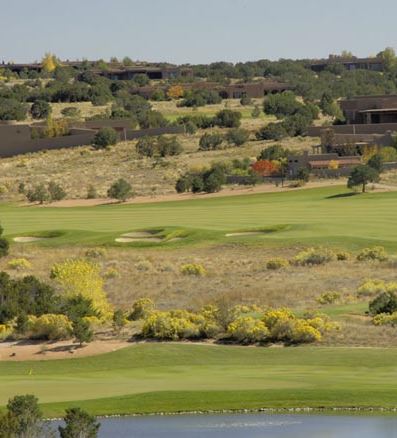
27,239
19,351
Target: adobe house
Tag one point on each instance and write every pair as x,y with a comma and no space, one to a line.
370,109
155,73
320,162
353,63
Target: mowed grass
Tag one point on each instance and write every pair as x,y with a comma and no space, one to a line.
181,377
323,216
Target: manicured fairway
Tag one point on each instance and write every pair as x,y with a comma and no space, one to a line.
173,377
315,214
323,216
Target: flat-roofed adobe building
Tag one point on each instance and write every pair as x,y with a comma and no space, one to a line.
353,63
370,109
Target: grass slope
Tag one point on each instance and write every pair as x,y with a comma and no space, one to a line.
318,216
174,377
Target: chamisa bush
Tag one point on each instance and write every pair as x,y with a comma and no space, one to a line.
277,263
314,256
19,264
193,269
329,297
371,287
141,309
49,327
377,253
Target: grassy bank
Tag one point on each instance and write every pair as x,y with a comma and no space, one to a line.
314,216
175,377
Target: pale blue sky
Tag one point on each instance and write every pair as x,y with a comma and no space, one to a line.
194,31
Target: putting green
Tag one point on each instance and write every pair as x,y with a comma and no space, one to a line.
172,377
316,216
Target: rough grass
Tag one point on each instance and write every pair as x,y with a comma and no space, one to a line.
169,377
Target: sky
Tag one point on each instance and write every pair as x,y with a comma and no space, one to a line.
194,31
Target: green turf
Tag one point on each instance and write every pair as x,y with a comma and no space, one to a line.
173,377
314,216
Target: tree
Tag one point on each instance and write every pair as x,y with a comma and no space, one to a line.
273,153
362,175
83,277
26,416
228,119
49,62
376,162
266,167
105,137
119,320
237,136
175,92
78,306
386,302
39,194
303,174
56,191
40,109
121,190
272,131
210,142
82,331
12,109
4,245
146,147
141,79
79,424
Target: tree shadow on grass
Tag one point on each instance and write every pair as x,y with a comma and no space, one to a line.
343,195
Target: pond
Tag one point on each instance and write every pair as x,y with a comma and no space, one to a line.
250,426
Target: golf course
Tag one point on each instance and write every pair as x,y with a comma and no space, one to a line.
331,215
154,377
147,378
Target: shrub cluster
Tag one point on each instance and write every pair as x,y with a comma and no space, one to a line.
158,146
242,325
314,256
377,253
370,287
193,269
209,181
46,193
277,263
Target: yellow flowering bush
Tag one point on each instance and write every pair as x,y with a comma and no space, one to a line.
373,286
19,264
273,316
165,326
377,253
247,329
82,277
329,297
5,331
193,269
314,256
277,263
49,326
385,319
141,309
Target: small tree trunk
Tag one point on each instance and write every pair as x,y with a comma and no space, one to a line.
363,190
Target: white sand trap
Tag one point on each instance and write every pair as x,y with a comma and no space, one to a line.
138,239
245,233
27,239
175,239
138,234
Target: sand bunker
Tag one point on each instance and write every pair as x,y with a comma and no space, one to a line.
144,236
27,239
139,234
138,239
245,233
